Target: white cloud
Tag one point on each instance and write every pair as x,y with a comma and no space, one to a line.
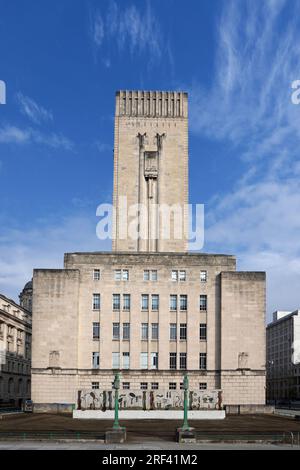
248,107
32,110
22,250
14,135
132,28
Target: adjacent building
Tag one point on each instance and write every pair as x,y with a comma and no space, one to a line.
283,356
15,352
148,308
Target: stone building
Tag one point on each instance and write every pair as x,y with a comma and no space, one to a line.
283,356
15,352
149,307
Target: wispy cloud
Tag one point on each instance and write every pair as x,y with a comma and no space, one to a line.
14,135
136,29
35,112
248,107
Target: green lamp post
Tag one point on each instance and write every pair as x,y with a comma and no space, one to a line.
116,424
185,426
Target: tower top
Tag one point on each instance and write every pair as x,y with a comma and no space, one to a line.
152,104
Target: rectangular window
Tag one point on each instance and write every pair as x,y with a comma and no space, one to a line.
154,360
144,331
182,331
116,360
183,302
126,385
144,360
173,331
96,330
95,385
116,302
181,386
126,331
126,360
203,276
118,274
202,386
174,275
154,385
182,275
126,301
145,301
155,302
173,357
154,275
203,302
182,361
154,331
96,360
173,302
172,385
144,386
202,331
116,331
96,301
202,361
125,275
146,275
96,275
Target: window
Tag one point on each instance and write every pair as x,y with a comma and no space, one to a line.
95,385
154,275
126,331
150,275
155,302
126,385
96,275
173,302
202,361
172,385
182,275
116,331
116,302
144,331
154,331
126,360
146,275
96,330
144,386
145,301
173,331
202,386
203,302
202,331
121,275
126,301
203,276
154,360
173,357
174,275
96,301
144,360
182,331
182,361
181,386
183,302
154,385
116,360
96,360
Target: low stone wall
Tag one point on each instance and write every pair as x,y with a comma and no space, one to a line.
55,408
149,414
249,409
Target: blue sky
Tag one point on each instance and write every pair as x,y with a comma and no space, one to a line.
63,60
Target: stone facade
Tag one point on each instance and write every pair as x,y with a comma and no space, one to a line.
283,356
149,307
15,352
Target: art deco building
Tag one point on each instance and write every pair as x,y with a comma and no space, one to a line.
283,356
15,352
149,307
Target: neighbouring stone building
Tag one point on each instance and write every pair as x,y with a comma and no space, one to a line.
15,352
283,356
149,307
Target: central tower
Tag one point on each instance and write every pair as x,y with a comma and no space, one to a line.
150,172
